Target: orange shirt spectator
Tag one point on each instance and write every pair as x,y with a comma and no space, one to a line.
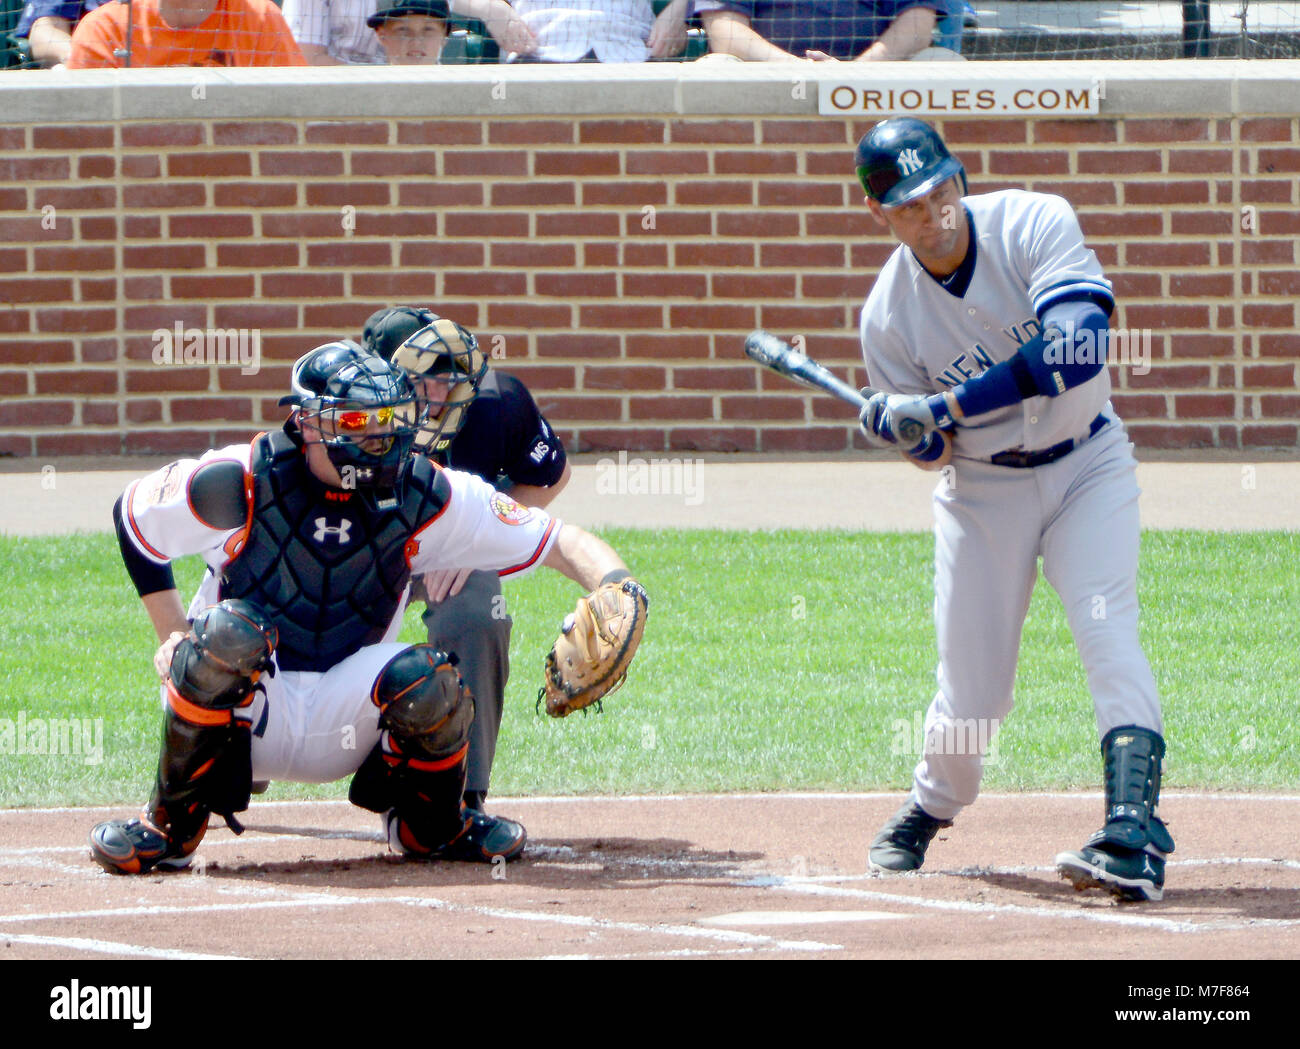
186,33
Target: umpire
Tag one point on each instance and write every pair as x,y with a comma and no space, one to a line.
490,426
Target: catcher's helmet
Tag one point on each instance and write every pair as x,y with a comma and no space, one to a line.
443,352
903,158
364,407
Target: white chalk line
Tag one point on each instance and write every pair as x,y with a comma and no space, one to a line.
77,943
582,799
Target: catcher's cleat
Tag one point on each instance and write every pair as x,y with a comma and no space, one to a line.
901,843
1132,875
136,846
482,839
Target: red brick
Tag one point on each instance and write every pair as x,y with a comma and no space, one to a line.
267,377
257,256
1203,405
1266,129
207,165
42,413
803,254
1274,223
97,227
529,194
1029,163
624,377
576,285
350,253
36,289
841,225
1164,193
13,138
395,284
1254,376
1166,254
1200,161
653,256
156,257
838,287
441,254
246,314
1279,282
443,132
1167,132
712,132
74,259
103,289
13,200
34,169
12,320
1266,191
1202,344
835,165
739,377
713,317
271,162
33,351
302,225
1070,132
1210,285
714,255
142,166
339,133
806,439
79,382
213,286
635,132
89,167
486,225
1261,315
578,224
169,134
576,163
974,133
675,162
617,440
101,351
800,194
1140,405
151,318
339,194
142,411
765,286
669,223
1097,193
630,194
481,164
28,229
487,282
759,224
439,195
584,344
52,445
528,254
529,133
1202,223
670,344
254,194
303,285
804,318
1274,405
255,133
811,132
677,406
1272,161
735,162
713,439
210,225
176,442
584,409
622,317
1274,436
99,413
1128,224
665,285
165,195
1116,162
331,318
211,409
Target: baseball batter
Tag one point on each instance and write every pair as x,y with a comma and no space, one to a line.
986,333
287,664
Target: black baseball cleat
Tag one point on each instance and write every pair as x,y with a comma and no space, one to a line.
136,847
482,839
1133,875
901,843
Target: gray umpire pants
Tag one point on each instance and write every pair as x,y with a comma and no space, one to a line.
474,625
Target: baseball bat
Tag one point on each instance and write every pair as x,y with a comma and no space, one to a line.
772,352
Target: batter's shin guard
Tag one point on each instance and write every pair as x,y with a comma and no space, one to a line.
205,765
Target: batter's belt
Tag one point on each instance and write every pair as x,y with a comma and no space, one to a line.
1021,459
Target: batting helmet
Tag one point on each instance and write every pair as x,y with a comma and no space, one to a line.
903,158
364,407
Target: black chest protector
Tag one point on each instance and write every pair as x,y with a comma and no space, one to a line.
326,567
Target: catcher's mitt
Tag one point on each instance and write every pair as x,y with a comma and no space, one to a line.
597,641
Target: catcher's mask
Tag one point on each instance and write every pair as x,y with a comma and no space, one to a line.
364,409
446,367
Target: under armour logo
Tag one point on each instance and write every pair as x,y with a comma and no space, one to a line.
909,162
324,528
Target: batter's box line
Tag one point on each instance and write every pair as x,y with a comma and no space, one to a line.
981,872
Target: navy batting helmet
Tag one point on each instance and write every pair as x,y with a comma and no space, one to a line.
903,158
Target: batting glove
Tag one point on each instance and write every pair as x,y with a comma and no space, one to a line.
911,418
873,421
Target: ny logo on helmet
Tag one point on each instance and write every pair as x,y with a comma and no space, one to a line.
910,162
338,531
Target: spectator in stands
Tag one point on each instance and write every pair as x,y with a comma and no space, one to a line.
779,30
412,32
185,33
47,26
601,30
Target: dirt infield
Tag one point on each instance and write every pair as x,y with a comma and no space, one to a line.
757,875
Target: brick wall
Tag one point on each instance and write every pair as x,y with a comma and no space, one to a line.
614,263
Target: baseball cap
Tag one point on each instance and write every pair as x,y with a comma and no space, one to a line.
387,329
396,8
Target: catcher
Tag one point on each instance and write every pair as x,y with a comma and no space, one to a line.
287,664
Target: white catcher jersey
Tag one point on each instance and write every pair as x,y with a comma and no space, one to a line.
479,527
918,338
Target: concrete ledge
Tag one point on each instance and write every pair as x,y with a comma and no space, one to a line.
50,96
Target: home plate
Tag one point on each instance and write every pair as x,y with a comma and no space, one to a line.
745,918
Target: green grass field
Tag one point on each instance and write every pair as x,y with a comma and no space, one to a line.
766,665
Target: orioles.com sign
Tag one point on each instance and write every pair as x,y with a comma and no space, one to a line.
1057,96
